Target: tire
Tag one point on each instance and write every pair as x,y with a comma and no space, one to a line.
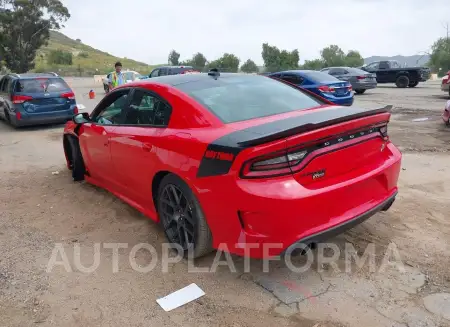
402,81
180,212
413,84
8,120
360,91
78,168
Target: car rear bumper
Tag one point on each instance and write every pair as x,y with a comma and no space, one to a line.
28,119
264,219
364,86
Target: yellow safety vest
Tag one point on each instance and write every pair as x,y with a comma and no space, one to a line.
115,79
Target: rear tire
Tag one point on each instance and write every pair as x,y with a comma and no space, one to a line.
402,81
360,91
413,84
182,218
78,168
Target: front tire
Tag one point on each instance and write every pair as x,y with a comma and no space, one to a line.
182,218
360,91
413,84
402,81
78,167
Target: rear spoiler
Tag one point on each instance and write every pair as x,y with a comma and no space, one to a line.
313,120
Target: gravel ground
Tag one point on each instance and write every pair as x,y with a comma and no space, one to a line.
41,210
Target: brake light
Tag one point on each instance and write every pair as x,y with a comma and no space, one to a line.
19,99
326,89
293,160
360,77
349,88
275,164
18,115
68,95
75,110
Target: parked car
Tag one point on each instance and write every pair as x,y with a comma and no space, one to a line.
130,76
391,71
171,70
445,85
232,160
359,79
329,87
446,114
33,99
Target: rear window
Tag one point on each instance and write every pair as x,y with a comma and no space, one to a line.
240,98
356,71
41,85
319,77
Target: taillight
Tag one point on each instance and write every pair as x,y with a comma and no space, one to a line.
75,110
326,89
68,95
276,164
360,77
349,88
293,160
18,115
18,99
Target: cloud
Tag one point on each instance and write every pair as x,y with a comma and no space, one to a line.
147,30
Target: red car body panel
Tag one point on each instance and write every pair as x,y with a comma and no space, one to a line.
241,212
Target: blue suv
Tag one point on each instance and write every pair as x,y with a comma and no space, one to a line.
34,99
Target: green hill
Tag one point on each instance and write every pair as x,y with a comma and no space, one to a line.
86,60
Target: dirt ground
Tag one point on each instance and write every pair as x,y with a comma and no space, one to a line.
41,208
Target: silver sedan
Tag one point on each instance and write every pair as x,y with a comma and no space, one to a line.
360,79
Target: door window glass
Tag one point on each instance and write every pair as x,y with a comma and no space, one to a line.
155,73
147,109
114,108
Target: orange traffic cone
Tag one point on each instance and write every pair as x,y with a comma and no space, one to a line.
91,94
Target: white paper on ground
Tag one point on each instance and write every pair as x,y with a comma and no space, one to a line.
180,297
80,106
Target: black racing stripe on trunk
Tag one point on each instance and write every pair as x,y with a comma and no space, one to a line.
229,146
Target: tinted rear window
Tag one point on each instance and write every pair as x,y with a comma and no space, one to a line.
41,85
356,71
240,98
319,77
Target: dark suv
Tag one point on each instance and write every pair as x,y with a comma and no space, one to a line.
33,99
171,70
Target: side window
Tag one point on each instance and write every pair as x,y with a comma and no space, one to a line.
163,72
147,109
5,84
275,75
155,73
338,71
114,109
395,64
384,65
292,78
2,81
373,66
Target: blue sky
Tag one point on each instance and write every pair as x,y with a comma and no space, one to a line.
147,30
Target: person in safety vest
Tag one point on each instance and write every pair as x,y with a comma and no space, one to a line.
116,78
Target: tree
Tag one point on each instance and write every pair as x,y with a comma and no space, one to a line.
316,64
333,56
174,58
440,55
354,59
198,62
249,67
227,63
275,60
25,27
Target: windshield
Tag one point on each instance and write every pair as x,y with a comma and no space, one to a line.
245,97
41,85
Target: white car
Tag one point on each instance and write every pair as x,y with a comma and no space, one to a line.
130,76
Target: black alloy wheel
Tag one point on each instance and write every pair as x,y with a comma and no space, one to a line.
177,217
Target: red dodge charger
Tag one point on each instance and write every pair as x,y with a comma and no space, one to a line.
239,162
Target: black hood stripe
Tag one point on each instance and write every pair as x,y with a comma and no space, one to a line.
220,154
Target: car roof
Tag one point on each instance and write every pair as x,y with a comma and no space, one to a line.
173,67
33,75
173,80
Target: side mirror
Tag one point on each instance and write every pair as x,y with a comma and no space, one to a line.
81,118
